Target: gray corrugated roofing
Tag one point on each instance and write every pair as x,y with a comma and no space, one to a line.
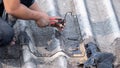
98,19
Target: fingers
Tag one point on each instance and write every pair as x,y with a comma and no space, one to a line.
60,27
57,22
13,42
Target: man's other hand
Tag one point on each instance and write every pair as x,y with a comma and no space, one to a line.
57,22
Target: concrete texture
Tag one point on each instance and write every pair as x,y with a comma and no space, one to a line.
98,19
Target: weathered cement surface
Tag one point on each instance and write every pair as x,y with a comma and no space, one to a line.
104,18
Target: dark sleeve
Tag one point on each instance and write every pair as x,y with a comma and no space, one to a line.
1,9
27,3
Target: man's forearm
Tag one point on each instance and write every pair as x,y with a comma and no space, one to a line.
23,12
15,8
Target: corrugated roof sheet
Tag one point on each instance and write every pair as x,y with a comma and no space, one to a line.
96,19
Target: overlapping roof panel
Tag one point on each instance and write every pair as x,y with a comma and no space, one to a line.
96,19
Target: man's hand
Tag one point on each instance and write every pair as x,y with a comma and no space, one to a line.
43,21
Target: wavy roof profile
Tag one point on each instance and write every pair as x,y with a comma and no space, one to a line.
87,20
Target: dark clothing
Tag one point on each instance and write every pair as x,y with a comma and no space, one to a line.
27,3
6,31
1,9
